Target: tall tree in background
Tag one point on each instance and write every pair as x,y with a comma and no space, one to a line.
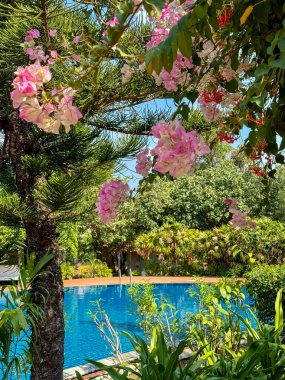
48,178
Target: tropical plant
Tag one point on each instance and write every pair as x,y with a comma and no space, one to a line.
17,315
258,354
156,361
104,325
175,249
152,311
67,271
96,268
263,283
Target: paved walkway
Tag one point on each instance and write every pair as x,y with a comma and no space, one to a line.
138,280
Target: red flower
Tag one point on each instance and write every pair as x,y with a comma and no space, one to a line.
224,18
224,136
258,171
213,95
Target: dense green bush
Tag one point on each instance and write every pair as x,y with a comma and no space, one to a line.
96,268
67,271
263,284
197,201
174,249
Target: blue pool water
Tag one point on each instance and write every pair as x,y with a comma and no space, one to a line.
82,338
84,341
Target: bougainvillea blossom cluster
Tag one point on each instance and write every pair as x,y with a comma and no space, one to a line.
143,163
239,218
179,74
29,89
177,150
111,196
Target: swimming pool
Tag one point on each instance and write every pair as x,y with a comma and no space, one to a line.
84,341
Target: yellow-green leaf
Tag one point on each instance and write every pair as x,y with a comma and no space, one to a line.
246,14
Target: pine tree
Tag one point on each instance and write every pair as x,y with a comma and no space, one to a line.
46,177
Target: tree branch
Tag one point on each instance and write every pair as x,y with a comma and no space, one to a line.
119,130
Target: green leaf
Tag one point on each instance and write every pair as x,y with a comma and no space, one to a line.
200,11
157,4
21,319
223,292
232,86
235,60
184,111
192,95
261,11
279,63
60,193
278,322
79,377
281,44
261,70
279,158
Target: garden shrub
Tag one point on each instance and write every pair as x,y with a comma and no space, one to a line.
236,250
174,249
96,268
67,271
99,269
263,283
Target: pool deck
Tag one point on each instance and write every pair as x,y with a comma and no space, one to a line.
139,280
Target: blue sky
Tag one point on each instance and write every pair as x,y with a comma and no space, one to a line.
129,172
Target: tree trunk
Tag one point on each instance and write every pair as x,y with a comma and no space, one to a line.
47,290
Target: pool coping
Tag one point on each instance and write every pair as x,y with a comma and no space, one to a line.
90,369
138,280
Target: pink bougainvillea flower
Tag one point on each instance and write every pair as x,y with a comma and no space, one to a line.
18,98
240,219
76,40
31,111
29,94
32,34
52,32
67,113
34,73
111,195
76,57
49,107
54,53
143,163
49,124
113,22
177,150
36,54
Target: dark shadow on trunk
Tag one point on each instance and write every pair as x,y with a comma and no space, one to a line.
47,290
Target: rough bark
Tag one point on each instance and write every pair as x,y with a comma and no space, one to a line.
47,290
